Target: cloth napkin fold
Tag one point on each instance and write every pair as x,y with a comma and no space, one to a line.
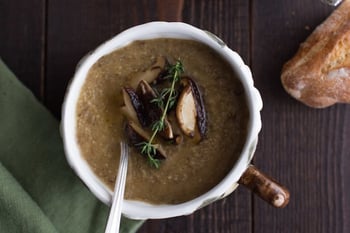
39,193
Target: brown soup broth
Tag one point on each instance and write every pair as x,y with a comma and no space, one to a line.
190,169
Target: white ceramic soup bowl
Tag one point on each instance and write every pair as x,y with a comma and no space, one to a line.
141,210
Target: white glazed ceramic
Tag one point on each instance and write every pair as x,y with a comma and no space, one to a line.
140,210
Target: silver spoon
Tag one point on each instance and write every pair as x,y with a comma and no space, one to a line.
117,201
332,2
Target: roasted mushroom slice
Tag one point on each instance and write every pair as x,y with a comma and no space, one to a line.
201,113
167,132
133,106
186,113
164,73
160,63
152,113
152,74
190,111
136,135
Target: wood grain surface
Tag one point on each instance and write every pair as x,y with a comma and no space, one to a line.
305,149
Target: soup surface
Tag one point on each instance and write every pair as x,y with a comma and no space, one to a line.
190,169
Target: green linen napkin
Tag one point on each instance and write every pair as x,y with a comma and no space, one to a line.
38,190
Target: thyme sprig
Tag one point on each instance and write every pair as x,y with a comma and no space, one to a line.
165,100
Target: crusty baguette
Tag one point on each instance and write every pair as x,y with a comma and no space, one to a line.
319,74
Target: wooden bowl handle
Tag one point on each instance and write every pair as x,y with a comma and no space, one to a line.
265,187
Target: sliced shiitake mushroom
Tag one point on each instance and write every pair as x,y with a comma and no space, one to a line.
186,113
152,74
160,63
136,135
201,113
167,132
152,112
164,73
190,111
133,106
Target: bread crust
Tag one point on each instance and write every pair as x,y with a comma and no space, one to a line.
319,73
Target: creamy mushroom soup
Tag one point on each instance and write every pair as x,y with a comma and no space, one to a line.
192,164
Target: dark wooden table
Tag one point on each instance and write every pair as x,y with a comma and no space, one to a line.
306,149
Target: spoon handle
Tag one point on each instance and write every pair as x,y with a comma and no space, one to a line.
115,212
332,2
